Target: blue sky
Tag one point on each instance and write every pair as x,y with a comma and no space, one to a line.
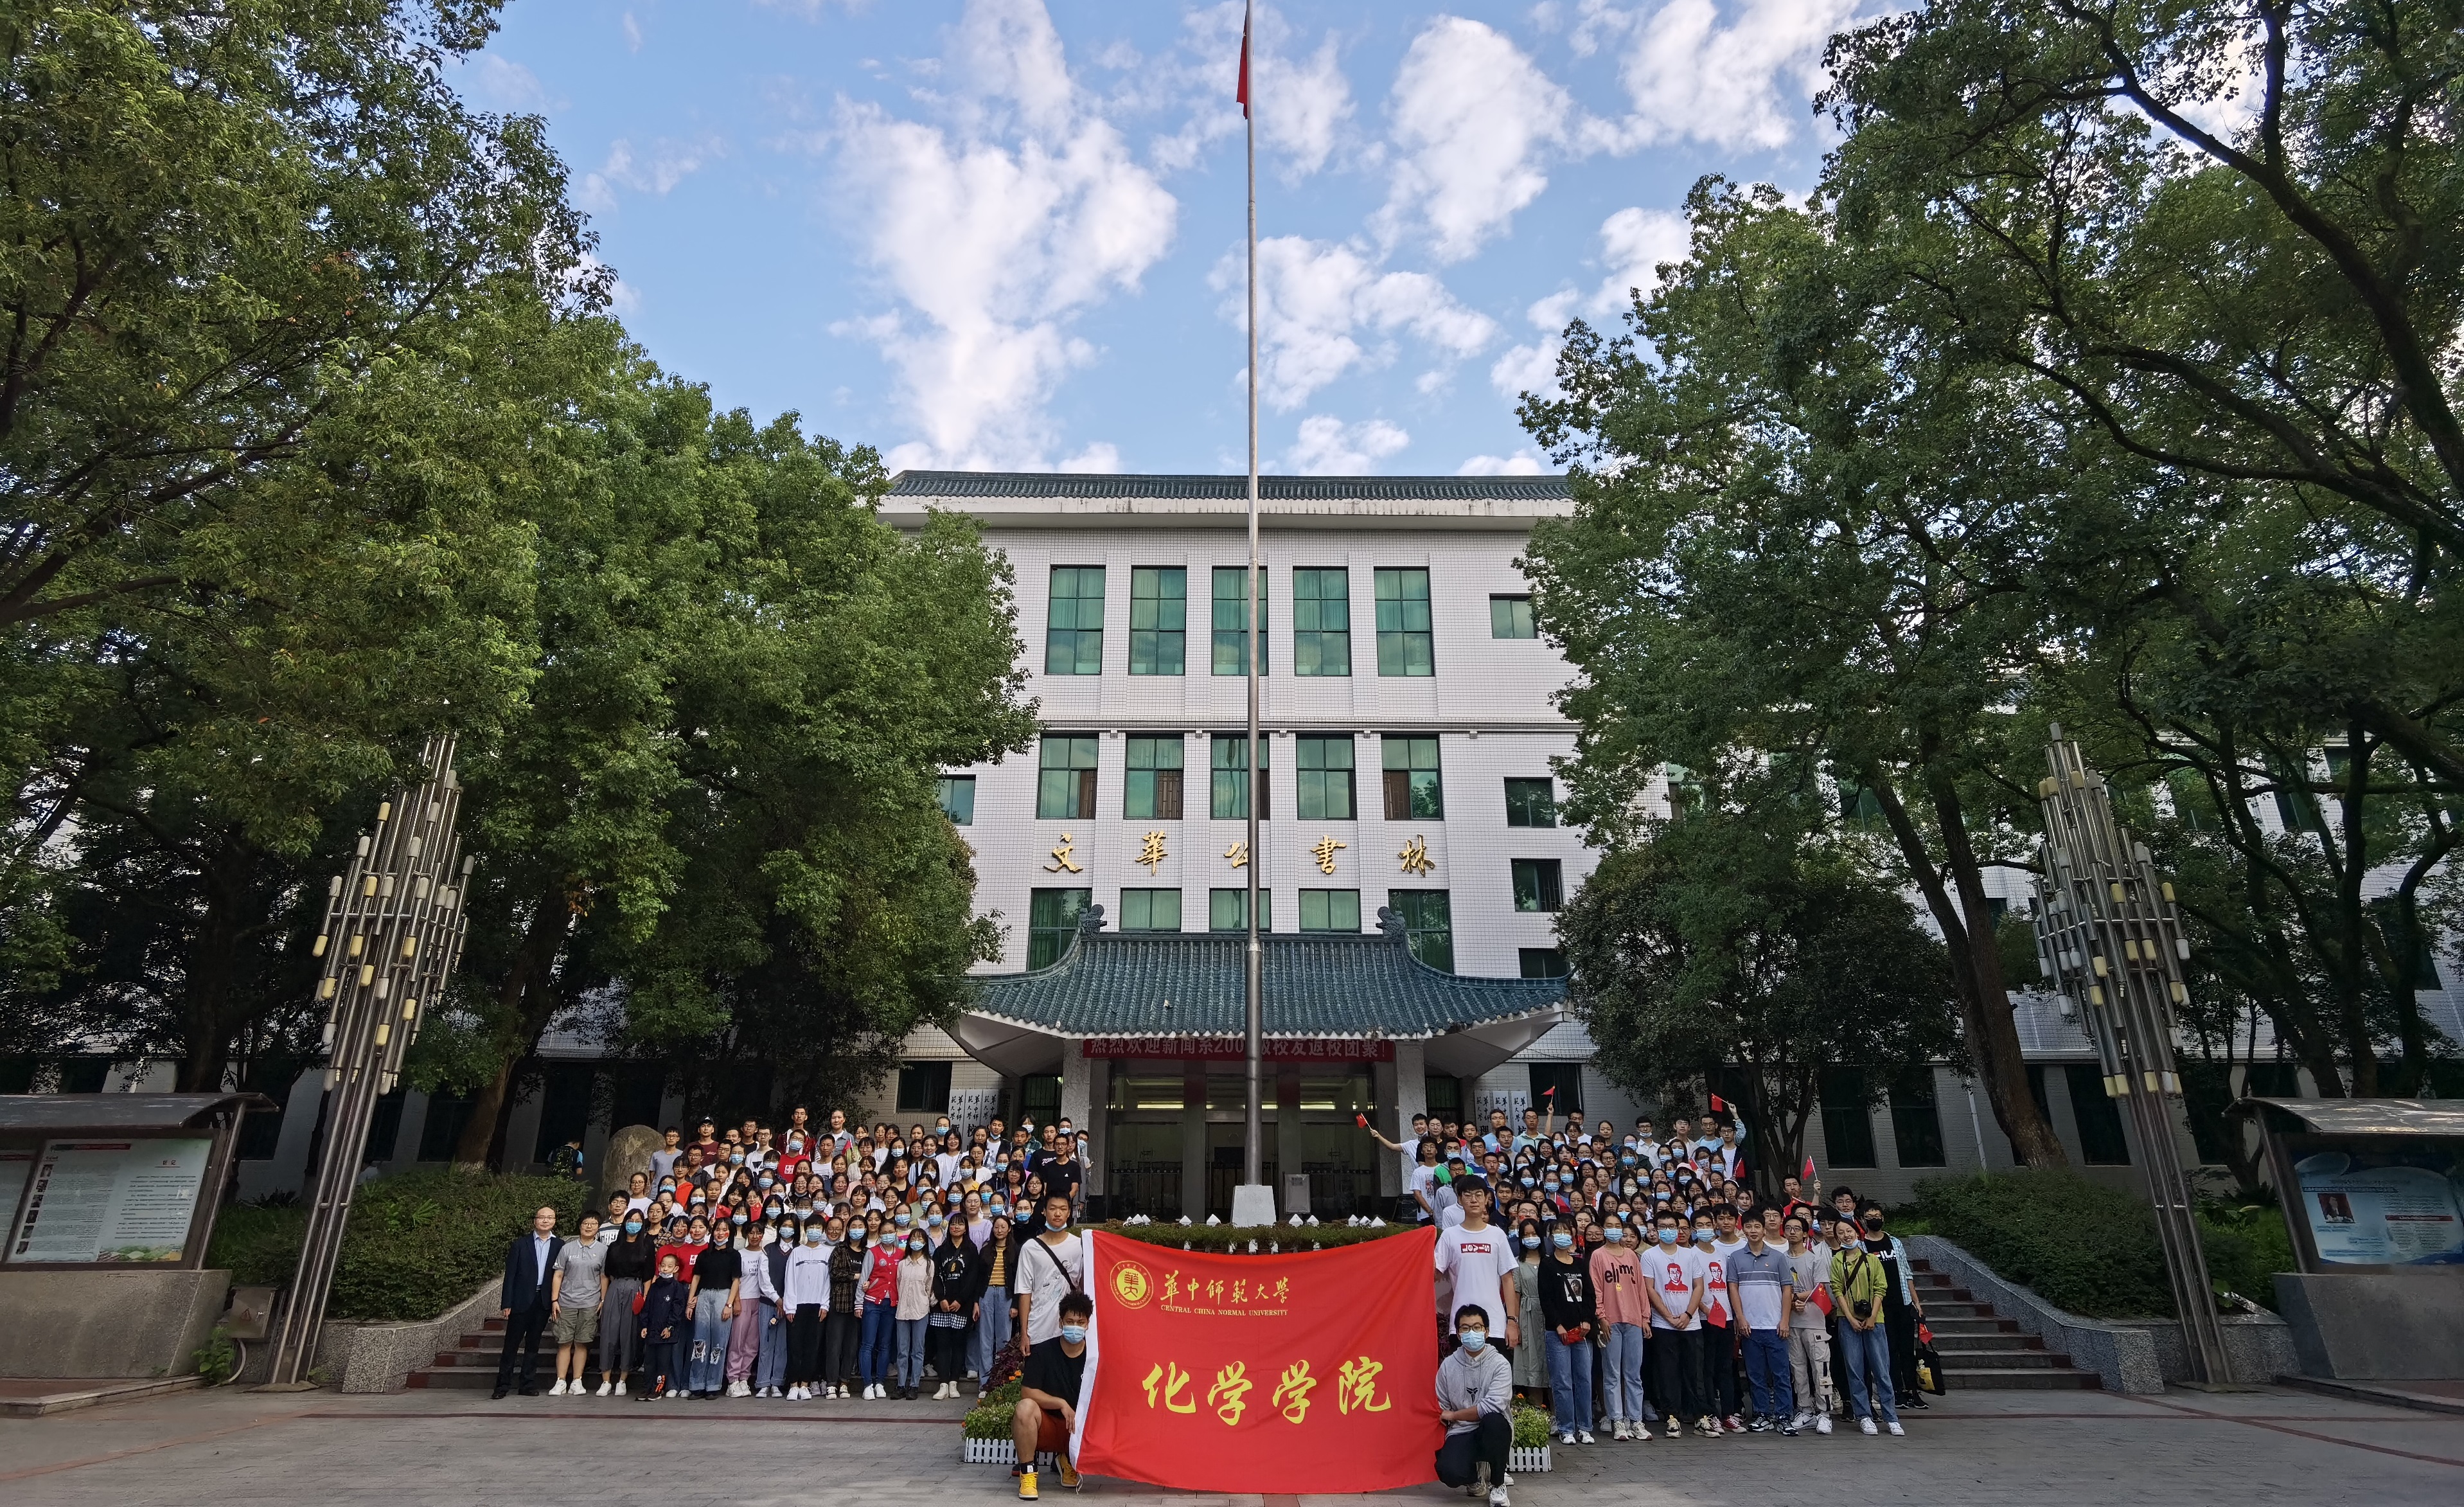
1007,233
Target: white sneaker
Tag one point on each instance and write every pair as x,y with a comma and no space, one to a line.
1497,1496
1895,1430
1567,1438
1618,1434
1865,1426
604,1385
1585,1437
1822,1423
558,1390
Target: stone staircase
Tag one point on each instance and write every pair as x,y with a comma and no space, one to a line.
1981,1351
472,1362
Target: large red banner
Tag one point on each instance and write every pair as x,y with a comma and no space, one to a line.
1314,1372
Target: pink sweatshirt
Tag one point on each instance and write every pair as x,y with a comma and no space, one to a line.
1617,1278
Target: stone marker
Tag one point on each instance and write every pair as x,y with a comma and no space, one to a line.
629,1151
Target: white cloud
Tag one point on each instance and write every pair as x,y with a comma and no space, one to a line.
1302,102
1325,308
1102,455
1473,119
994,229
632,32
1739,75
658,170
1633,244
1328,447
501,84
1522,463
1528,368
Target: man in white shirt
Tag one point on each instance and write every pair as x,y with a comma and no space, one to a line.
1478,1261
1051,1267
1674,1275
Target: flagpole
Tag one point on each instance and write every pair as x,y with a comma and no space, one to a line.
1256,1014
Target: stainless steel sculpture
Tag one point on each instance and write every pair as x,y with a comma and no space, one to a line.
392,935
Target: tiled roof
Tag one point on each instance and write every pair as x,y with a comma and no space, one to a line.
1271,489
1114,983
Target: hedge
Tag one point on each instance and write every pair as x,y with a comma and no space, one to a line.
417,1244
2090,1248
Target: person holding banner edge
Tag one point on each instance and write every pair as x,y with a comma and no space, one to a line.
1046,1415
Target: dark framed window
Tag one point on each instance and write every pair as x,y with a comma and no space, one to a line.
1428,925
2406,942
1916,1119
1847,1118
1331,910
565,1106
1542,962
2294,805
1532,803
1229,910
1405,644
1510,618
1325,776
1414,790
958,798
1051,920
1232,620
1074,622
1565,1079
1065,778
440,1134
2102,1143
2194,800
1321,622
1151,787
1150,910
1230,799
385,1128
1159,619
1858,805
924,1088
1444,1094
1538,885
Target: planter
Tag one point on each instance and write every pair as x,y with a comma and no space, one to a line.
1528,1462
1001,1452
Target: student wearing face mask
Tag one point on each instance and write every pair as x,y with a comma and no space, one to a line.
632,1261
714,1309
1674,1272
876,1345
958,1277
843,1327
1570,1311
1530,1361
1721,1387
744,1336
992,1333
771,1316
804,1298
1051,1267
1616,1284
1475,1401
914,1309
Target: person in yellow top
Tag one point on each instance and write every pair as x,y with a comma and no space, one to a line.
1858,1285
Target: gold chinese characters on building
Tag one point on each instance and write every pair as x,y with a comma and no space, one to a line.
1416,858
1324,852
1061,861
1151,851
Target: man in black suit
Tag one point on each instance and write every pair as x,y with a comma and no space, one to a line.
525,1299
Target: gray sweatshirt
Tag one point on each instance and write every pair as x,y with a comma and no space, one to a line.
1485,1381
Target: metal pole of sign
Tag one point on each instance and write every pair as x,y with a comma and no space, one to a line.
392,936
2108,935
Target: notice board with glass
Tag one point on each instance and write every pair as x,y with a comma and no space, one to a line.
106,1201
2372,1202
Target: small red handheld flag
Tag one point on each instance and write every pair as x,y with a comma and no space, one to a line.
1718,1106
1548,1093
1243,93
1809,1170
1363,1119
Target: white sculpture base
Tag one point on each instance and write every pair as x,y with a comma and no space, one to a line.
1253,1203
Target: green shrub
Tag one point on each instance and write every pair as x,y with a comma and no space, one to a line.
1530,1426
417,1244
2246,1246
2077,1243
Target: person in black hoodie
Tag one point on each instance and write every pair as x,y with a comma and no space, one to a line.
960,1272
1571,1311
666,1318
632,1262
841,1325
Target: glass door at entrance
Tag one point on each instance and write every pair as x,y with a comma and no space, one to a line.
1224,1146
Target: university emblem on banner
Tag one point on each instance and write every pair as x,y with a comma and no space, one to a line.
1131,1285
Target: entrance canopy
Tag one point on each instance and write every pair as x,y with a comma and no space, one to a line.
1184,992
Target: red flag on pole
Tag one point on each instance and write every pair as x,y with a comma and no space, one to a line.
1809,1170
1243,93
1718,1106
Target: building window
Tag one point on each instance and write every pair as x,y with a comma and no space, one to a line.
2102,1143
924,1088
1152,787
1556,1086
1159,619
1858,805
2295,806
1331,910
1150,910
440,1134
958,798
1229,798
1229,910
1530,803
1073,624
1064,782
1051,920
1405,646
1847,1123
1325,765
1916,1119
1412,790
1232,619
1321,622
1542,962
1510,618
1538,886
1428,925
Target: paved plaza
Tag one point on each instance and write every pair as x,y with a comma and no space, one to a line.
2007,1449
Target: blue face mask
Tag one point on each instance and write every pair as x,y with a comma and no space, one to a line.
1530,1183
903,1220
1562,1241
742,1217
1073,1334
633,1227
812,1237
1615,1236
1668,1237
1474,1339
917,1245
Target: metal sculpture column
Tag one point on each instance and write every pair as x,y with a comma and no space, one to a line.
2108,933
392,936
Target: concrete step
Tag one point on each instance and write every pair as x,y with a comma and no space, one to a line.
2018,1379
1956,1361
1987,1344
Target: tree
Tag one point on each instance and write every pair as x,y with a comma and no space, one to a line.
1736,942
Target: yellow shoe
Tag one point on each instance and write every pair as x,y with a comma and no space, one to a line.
1068,1472
1026,1486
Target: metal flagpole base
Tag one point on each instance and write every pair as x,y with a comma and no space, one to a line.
1253,1203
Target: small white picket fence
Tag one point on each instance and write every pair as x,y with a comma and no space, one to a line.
1001,1452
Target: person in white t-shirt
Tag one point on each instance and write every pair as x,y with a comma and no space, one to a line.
1673,1276
1478,1261
1051,1267
1715,1235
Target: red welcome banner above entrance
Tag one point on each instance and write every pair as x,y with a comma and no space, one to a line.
1274,1374
1283,1049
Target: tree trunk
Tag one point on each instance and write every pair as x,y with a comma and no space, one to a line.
528,1003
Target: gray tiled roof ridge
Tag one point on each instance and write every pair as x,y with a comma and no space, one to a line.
1271,488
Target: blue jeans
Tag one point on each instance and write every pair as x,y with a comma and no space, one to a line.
873,1349
1570,1383
1767,1373
707,1372
1866,1358
1622,1369
771,1368
992,1330
910,1351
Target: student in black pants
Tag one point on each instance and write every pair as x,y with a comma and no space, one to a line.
525,1294
1673,1277
1475,1394
666,1329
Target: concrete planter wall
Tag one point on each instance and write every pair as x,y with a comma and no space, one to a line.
2129,1355
355,1357
107,1323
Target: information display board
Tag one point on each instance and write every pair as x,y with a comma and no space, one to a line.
118,1200
2367,1208
15,1167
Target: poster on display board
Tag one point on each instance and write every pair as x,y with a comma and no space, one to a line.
117,1200
15,1167
2384,1208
